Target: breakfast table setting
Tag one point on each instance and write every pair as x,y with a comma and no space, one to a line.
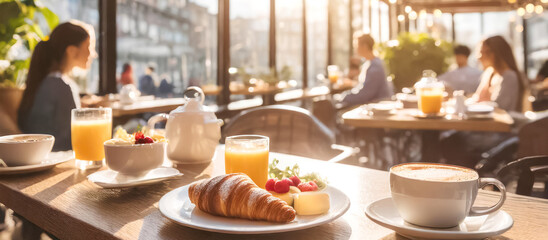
179,182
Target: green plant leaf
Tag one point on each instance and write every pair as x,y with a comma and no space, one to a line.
50,17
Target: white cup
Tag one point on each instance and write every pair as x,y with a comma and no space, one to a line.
432,195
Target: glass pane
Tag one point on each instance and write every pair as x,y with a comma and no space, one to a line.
385,21
340,34
249,40
375,25
177,39
316,28
508,25
468,31
289,40
85,11
366,23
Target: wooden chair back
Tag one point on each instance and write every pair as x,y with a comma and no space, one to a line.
525,171
533,138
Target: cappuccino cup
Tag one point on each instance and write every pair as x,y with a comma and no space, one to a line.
438,195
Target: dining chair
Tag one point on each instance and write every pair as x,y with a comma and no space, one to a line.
291,130
531,140
525,172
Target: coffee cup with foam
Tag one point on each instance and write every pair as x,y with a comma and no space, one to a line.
438,195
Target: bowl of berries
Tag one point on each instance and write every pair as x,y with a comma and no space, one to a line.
134,154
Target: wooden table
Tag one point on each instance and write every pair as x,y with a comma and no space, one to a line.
403,119
64,203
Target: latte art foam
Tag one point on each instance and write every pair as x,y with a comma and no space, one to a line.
435,172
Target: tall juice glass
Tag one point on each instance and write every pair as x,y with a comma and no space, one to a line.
248,154
90,128
430,100
333,73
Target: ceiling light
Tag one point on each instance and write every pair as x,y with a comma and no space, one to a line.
539,9
413,15
408,9
401,18
521,11
544,1
511,1
393,1
437,12
519,28
530,8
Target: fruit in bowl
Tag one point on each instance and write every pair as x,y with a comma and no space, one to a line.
25,149
134,154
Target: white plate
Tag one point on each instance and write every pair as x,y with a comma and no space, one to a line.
112,179
51,160
384,213
176,206
479,109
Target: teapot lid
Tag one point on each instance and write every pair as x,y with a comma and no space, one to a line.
194,99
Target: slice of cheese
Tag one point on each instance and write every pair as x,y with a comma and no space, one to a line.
311,203
286,197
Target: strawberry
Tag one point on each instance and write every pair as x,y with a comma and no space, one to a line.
295,180
308,186
148,140
139,135
289,181
269,186
281,186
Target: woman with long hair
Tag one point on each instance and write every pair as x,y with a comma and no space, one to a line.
50,94
501,81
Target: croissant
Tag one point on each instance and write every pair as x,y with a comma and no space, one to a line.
236,195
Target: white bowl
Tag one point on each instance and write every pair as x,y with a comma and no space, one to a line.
135,159
25,149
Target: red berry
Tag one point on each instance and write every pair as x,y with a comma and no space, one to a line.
139,135
281,187
308,186
313,185
148,140
289,181
270,184
295,180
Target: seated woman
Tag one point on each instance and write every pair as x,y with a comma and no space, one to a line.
501,83
50,94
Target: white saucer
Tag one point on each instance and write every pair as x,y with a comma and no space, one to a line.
384,213
112,179
51,160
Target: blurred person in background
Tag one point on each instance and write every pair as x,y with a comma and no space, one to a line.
50,94
501,82
127,75
372,84
147,82
464,78
166,87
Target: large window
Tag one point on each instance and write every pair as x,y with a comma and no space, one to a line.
249,36
85,11
176,38
385,22
468,31
316,30
289,40
340,32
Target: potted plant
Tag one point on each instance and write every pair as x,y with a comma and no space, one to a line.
19,33
410,54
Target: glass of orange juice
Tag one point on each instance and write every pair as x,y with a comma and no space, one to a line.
248,154
430,100
333,73
90,128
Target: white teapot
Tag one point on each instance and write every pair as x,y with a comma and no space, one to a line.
192,133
